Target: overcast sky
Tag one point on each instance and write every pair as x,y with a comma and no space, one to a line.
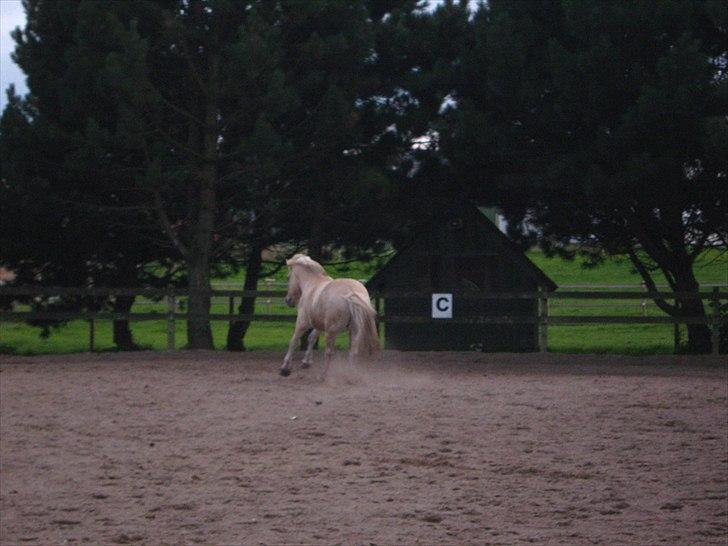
11,16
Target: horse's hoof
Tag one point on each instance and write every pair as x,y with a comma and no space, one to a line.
285,372
306,365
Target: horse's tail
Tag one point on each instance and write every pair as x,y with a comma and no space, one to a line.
364,335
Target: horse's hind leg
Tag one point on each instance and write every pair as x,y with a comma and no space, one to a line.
330,346
308,357
297,333
329,352
354,343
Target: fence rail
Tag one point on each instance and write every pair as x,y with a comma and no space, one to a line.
161,293
542,319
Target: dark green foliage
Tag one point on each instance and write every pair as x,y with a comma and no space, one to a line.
200,131
603,124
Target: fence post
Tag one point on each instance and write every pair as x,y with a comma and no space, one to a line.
91,334
676,337
543,313
715,323
269,301
171,309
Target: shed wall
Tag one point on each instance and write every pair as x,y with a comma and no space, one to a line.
460,274
442,335
466,254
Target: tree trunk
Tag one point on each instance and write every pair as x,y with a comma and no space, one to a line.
698,334
316,235
677,268
238,328
698,339
199,332
122,332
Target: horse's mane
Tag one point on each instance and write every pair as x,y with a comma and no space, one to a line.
307,262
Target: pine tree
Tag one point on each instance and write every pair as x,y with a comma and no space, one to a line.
603,124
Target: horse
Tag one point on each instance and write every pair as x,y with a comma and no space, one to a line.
330,306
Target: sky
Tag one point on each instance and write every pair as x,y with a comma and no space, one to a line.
11,16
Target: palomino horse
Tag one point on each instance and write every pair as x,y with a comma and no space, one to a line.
329,306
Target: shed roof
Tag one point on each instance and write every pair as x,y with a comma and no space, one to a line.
480,237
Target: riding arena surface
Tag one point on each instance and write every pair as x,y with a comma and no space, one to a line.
410,448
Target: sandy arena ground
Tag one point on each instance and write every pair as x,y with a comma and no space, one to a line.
415,448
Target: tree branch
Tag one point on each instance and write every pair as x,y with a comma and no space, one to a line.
167,225
180,110
671,310
174,142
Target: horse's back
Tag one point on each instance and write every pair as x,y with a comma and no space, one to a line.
343,287
333,305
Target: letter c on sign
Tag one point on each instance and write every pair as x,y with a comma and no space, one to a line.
442,306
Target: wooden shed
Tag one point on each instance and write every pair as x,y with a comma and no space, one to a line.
463,254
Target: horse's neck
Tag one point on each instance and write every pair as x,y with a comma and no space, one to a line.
311,281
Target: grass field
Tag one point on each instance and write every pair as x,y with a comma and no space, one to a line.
712,269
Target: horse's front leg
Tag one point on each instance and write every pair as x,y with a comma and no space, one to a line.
301,327
308,357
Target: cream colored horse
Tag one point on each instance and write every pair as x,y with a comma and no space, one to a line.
329,306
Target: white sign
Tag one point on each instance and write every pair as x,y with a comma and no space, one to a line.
441,305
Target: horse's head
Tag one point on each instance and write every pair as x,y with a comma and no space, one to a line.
294,287
298,266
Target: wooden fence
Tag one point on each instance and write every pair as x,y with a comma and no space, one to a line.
543,318
643,305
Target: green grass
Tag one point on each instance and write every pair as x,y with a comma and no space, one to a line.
73,337
712,268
